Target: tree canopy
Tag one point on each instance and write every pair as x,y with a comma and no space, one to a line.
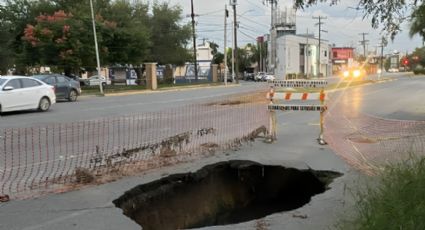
389,14
59,33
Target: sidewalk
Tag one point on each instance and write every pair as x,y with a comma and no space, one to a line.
92,209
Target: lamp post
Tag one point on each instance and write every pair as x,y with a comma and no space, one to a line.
96,47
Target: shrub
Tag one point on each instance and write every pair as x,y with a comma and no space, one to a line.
397,201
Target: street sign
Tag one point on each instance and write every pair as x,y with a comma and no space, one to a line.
299,83
320,108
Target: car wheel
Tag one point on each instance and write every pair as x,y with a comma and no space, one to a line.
73,95
44,104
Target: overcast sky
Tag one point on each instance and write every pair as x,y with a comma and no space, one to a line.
343,24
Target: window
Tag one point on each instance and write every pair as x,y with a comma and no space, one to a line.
335,54
50,81
326,53
27,83
2,81
15,83
61,79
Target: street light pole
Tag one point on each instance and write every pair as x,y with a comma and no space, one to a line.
96,47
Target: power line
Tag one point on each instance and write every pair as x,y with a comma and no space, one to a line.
255,22
249,36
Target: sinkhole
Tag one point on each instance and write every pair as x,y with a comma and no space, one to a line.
222,193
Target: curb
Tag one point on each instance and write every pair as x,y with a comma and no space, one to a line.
161,90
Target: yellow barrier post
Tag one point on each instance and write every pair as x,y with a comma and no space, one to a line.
272,121
321,140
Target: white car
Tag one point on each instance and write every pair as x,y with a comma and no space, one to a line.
25,93
95,80
259,76
393,70
269,77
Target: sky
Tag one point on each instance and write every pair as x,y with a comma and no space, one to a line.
343,24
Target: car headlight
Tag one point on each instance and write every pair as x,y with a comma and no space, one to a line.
346,74
356,73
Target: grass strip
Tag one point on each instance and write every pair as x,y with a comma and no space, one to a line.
395,201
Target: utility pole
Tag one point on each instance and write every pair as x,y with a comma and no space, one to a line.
260,43
363,43
226,14
384,43
96,48
192,15
233,3
307,55
273,35
320,23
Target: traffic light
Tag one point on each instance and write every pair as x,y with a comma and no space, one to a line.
406,61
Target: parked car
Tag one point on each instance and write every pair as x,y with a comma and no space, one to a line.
269,77
250,76
83,82
25,93
259,76
96,80
65,88
393,70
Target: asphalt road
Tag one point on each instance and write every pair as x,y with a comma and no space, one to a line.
91,107
406,91
400,98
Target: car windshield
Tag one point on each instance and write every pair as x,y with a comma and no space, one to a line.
2,81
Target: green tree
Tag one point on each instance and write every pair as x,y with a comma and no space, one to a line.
218,57
16,15
59,40
418,57
6,51
389,13
245,59
169,39
125,33
59,33
417,25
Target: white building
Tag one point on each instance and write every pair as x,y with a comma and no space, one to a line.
204,52
293,55
298,55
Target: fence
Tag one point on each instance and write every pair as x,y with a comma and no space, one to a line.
46,157
367,142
